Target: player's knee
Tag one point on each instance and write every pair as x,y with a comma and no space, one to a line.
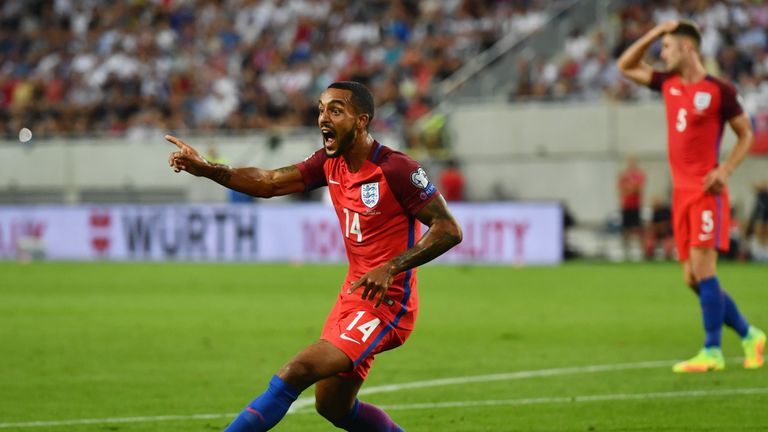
300,373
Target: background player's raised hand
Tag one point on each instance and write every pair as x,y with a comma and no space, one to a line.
667,26
716,180
375,284
186,159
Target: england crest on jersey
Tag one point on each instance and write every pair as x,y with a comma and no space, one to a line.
701,100
369,192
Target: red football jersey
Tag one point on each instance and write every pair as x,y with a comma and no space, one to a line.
696,115
376,207
632,178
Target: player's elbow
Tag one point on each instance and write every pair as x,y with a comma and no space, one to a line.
628,68
625,69
455,234
623,64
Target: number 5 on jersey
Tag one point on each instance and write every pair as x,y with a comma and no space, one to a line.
353,228
707,221
681,121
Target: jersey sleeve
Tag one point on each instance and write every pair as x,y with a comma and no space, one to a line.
312,170
729,101
657,80
408,182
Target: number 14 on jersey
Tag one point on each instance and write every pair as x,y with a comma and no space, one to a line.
354,227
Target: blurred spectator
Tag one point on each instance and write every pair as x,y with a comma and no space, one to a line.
130,67
212,155
736,249
569,222
630,188
734,45
452,182
757,227
658,237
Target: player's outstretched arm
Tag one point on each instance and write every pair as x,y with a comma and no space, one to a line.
717,179
444,233
631,63
253,181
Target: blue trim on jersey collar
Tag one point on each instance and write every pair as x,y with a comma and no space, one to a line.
376,152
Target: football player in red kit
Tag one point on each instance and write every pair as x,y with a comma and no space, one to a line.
698,106
381,197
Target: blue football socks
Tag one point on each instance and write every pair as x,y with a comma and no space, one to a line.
266,410
713,309
733,317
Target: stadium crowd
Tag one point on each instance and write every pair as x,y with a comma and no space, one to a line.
734,46
132,68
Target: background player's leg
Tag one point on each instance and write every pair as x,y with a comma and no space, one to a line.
703,263
317,361
752,338
336,400
732,317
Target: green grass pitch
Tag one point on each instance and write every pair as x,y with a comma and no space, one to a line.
148,347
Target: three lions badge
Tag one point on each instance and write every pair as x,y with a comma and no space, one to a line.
701,100
369,192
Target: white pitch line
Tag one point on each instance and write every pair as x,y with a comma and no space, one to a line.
141,419
509,376
572,399
308,401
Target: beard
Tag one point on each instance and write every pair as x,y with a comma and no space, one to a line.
343,142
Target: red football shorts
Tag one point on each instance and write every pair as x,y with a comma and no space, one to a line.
700,220
360,334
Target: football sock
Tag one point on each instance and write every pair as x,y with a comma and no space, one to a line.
267,409
733,318
713,309
367,418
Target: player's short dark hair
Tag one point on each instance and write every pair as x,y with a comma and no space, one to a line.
362,99
688,29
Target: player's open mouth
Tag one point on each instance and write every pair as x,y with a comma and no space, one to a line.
329,137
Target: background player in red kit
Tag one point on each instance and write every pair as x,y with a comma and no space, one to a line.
698,105
630,187
380,196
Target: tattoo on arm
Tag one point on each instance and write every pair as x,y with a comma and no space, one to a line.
286,169
444,233
222,174
258,182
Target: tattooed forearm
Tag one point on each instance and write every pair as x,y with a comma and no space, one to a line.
258,182
221,174
441,236
287,170
444,233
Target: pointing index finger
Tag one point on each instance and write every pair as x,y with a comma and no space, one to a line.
177,142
